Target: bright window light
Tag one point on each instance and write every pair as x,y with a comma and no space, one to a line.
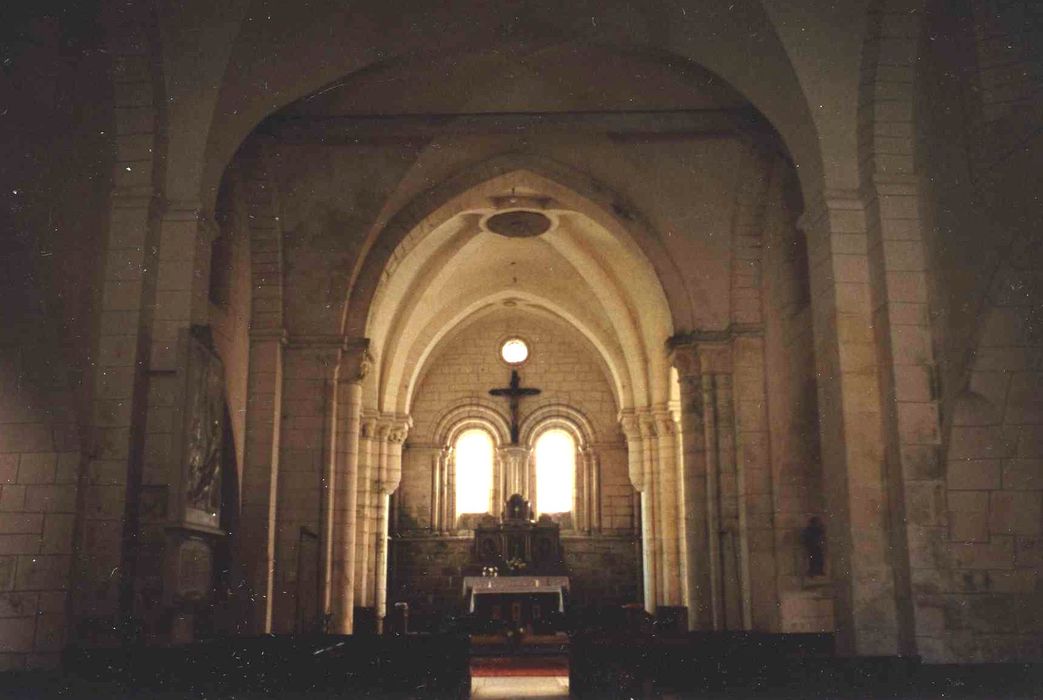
555,471
514,351
474,472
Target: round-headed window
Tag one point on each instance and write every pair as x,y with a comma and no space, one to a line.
514,351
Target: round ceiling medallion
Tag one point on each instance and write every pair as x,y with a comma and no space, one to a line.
519,223
514,351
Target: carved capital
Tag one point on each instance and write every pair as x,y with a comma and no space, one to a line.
368,428
355,361
648,426
398,429
685,358
629,423
665,424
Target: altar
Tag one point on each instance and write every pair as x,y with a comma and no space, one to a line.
524,598
517,579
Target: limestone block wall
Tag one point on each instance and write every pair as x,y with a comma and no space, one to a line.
980,91
561,364
990,600
425,572
39,468
56,159
603,570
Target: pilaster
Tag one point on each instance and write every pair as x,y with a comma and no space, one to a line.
857,500
630,421
307,451
669,531
695,487
260,475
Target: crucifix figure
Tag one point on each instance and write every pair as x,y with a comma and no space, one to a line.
514,392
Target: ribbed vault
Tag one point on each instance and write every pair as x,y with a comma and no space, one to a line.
591,276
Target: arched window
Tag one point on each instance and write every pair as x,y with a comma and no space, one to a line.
473,458
555,471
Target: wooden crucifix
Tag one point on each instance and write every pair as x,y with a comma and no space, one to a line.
514,392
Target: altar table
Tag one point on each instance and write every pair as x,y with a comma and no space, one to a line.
475,586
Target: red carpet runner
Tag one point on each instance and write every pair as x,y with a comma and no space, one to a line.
519,666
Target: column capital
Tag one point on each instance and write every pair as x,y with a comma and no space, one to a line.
398,429
712,355
665,424
355,360
628,421
368,426
685,359
648,425
387,427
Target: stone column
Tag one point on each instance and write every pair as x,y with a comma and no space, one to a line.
259,485
666,472
332,436
631,424
723,498
389,479
590,508
448,514
756,516
516,473
437,490
355,365
700,612
649,457
308,450
370,437
260,480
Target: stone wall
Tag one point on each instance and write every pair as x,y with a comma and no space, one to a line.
561,363
53,186
978,137
39,469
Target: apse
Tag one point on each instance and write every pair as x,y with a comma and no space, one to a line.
519,261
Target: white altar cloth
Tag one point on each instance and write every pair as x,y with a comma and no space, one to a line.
483,585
